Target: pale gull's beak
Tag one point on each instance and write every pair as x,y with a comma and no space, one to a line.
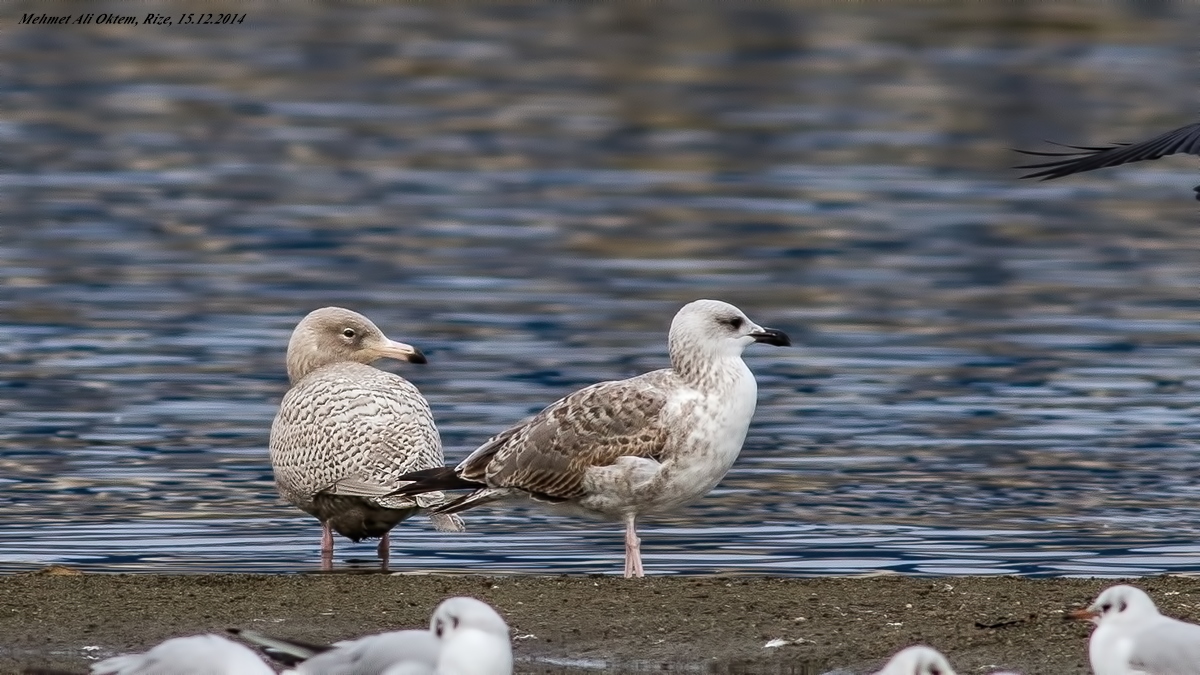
400,352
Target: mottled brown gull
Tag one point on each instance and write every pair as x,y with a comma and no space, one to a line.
622,449
346,431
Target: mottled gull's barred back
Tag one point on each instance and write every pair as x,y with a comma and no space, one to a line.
622,449
918,660
346,431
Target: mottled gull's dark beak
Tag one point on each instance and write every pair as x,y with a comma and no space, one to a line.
402,352
771,336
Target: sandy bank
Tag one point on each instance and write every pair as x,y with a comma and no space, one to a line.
676,623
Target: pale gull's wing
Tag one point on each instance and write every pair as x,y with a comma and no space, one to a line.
549,454
1167,647
1185,139
193,655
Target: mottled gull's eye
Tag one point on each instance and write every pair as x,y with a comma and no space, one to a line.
349,332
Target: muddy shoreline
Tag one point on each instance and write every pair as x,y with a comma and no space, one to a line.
561,624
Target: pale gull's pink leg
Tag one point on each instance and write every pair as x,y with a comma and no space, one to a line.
385,549
326,547
633,549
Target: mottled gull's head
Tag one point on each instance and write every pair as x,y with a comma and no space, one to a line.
917,660
1118,602
335,335
705,330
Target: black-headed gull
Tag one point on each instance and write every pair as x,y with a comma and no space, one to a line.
465,637
1132,638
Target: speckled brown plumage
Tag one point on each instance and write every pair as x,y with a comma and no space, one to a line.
620,449
345,430
541,455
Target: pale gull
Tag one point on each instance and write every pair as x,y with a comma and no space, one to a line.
1132,638
193,655
346,431
626,448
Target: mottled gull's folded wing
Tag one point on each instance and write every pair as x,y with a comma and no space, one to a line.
1185,139
549,454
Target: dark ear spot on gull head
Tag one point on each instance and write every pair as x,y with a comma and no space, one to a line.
726,321
335,335
464,612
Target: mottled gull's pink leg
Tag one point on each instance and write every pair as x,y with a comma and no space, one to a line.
633,549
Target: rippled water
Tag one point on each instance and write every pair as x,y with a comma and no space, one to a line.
990,376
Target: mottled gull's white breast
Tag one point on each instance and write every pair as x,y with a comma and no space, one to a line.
621,449
346,431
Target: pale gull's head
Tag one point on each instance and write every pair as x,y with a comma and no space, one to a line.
335,335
